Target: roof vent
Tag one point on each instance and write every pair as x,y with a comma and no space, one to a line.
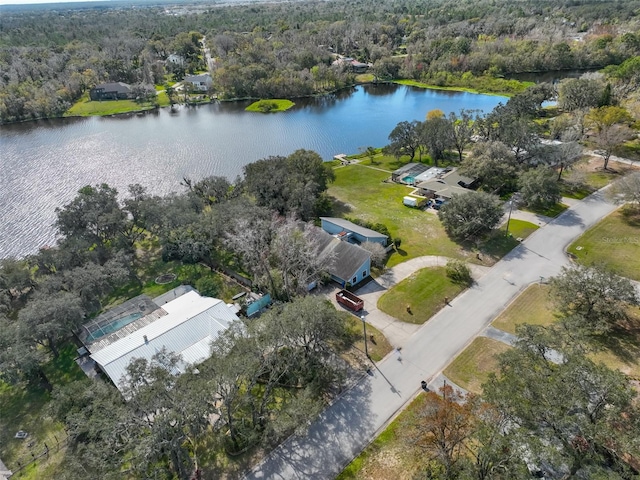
146,340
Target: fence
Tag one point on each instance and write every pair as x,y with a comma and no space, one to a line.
51,445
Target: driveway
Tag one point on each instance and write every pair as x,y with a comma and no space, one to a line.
396,331
350,423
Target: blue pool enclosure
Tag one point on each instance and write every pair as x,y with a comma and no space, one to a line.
103,330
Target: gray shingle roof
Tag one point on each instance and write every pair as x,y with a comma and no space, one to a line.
347,258
118,87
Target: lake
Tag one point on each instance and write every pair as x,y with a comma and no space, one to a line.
43,164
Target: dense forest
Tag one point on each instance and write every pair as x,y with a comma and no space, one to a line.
49,59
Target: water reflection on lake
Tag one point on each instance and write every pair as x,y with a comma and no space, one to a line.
44,163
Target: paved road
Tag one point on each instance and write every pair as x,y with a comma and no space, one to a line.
348,425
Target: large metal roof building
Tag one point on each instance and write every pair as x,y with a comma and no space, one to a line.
189,326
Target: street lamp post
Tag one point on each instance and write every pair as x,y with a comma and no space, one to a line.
514,198
364,330
509,218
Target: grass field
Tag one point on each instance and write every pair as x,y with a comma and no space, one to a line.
472,367
23,408
361,192
614,242
532,306
270,106
423,292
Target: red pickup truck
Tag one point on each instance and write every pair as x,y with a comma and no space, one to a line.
349,300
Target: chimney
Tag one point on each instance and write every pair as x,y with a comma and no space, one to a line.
146,340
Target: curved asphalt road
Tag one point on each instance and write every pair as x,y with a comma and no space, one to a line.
349,424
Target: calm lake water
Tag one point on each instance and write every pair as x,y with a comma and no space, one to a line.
43,164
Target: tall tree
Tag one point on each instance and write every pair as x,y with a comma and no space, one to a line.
493,164
592,299
404,139
436,134
462,128
94,216
471,215
565,417
610,128
627,189
539,187
49,318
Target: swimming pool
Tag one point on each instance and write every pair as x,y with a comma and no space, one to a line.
113,326
409,180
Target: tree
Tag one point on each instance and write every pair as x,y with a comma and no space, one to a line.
573,418
610,129
462,127
627,189
49,318
578,94
436,133
493,164
289,185
561,156
94,216
442,428
378,253
539,187
471,215
459,272
404,139
591,298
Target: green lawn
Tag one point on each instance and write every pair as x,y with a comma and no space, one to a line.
472,367
519,228
362,192
483,85
270,106
532,306
423,292
86,108
552,211
23,407
614,242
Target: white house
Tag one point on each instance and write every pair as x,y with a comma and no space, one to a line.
185,326
201,82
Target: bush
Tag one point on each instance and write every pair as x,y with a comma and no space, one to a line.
397,242
459,273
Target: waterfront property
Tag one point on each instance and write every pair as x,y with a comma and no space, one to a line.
201,82
185,326
445,184
111,91
352,233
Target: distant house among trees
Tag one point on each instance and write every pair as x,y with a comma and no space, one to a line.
354,65
176,59
201,82
185,326
349,231
111,91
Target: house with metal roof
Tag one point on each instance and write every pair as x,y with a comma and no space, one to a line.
349,265
185,326
346,230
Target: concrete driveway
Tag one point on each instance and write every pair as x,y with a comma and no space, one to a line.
350,423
